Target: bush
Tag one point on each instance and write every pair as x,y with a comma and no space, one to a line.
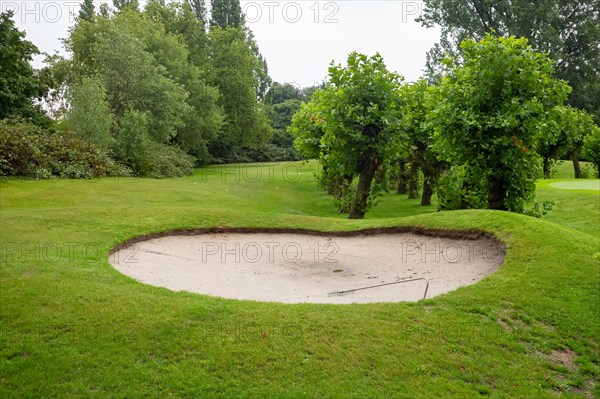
147,158
458,189
168,161
30,151
281,148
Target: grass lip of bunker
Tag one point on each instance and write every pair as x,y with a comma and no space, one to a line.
303,266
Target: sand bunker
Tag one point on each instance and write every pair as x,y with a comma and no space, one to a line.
297,268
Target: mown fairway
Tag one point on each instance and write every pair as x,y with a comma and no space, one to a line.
71,326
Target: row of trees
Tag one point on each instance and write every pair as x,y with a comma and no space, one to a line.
568,31
480,135
157,89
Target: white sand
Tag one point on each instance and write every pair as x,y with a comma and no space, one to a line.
296,268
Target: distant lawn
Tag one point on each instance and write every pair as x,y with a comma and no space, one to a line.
576,202
564,170
291,187
71,326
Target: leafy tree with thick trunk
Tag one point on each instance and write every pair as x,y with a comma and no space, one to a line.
358,114
569,126
577,125
490,111
414,123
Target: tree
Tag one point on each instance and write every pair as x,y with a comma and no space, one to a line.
569,126
557,142
358,114
281,113
414,124
568,30
90,117
134,81
87,10
133,143
279,93
160,29
203,123
199,9
283,101
226,14
261,70
307,129
233,65
19,83
123,4
489,114
180,21
55,76
240,73
578,125
140,67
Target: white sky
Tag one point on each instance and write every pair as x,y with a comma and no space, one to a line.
299,39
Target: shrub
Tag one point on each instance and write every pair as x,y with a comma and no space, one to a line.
168,161
457,188
30,151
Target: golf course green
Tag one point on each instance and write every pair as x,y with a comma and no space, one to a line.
72,326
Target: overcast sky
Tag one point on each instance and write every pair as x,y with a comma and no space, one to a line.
299,39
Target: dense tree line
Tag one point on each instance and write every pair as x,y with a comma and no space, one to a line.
158,90
481,136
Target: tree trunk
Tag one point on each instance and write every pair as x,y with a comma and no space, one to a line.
413,180
428,181
363,189
496,195
546,168
401,181
576,167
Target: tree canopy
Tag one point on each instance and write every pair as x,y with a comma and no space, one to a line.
358,113
20,86
567,30
489,113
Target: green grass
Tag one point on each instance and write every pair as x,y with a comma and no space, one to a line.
564,170
72,326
